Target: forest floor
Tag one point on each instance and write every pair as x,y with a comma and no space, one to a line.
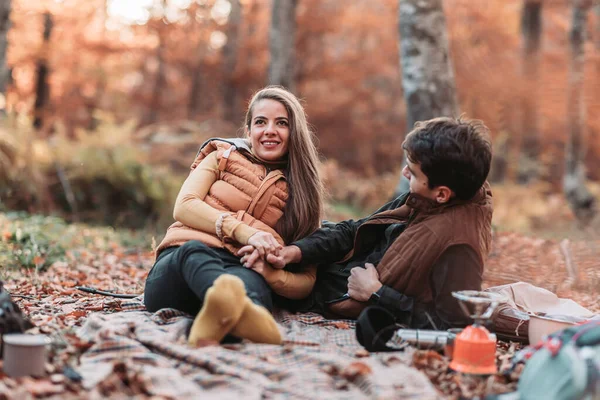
44,259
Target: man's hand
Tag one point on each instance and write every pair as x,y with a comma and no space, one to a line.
261,266
363,282
287,255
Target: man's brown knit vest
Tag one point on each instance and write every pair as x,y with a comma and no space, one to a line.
406,265
243,188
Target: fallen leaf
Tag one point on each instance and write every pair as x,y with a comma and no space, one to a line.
42,387
356,370
361,353
39,260
340,324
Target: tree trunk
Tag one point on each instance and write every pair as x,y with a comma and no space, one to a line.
4,27
427,75
282,43
230,52
196,86
580,199
159,83
597,12
531,29
42,91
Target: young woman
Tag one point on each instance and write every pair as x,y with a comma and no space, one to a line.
262,191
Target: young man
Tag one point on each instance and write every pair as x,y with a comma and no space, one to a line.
411,254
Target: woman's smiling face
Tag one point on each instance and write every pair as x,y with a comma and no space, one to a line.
269,130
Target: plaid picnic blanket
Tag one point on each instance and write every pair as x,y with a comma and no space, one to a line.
136,353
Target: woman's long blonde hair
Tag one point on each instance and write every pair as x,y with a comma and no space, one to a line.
304,208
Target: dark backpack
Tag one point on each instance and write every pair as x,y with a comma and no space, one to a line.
11,317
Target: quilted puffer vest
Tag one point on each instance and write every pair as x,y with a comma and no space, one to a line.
245,189
407,263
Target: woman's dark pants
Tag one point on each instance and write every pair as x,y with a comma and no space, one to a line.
182,275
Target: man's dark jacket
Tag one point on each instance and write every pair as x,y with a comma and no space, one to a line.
422,251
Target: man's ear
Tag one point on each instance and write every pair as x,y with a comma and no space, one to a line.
444,194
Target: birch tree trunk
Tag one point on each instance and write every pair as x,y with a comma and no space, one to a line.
580,199
427,74
230,53
531,29
282,43
4,27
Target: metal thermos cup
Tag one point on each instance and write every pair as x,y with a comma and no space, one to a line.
429,339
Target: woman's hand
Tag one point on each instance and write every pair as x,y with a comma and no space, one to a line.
259,265
249,255
265,243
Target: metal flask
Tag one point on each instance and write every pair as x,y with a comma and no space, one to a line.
426,339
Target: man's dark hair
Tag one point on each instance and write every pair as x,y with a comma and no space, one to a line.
451,152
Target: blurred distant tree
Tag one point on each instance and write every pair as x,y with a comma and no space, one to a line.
347,70
531,32
580,199
4,26
161,30
230,55
427,75
195,100
42,91
282,43
597,12
197,67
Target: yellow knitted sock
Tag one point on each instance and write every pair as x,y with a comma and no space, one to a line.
257,325
223,307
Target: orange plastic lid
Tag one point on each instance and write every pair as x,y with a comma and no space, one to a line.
474,351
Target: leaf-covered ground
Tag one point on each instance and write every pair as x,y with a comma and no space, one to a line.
60,257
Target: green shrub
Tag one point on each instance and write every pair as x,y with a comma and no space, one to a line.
31,242
103,176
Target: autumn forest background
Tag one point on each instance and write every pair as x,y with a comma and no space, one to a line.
104,103
107,101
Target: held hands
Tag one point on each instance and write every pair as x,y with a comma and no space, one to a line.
363,282
263,268
287,255
265,243
251,259
251,256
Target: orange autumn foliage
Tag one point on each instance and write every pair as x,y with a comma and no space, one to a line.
347,71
